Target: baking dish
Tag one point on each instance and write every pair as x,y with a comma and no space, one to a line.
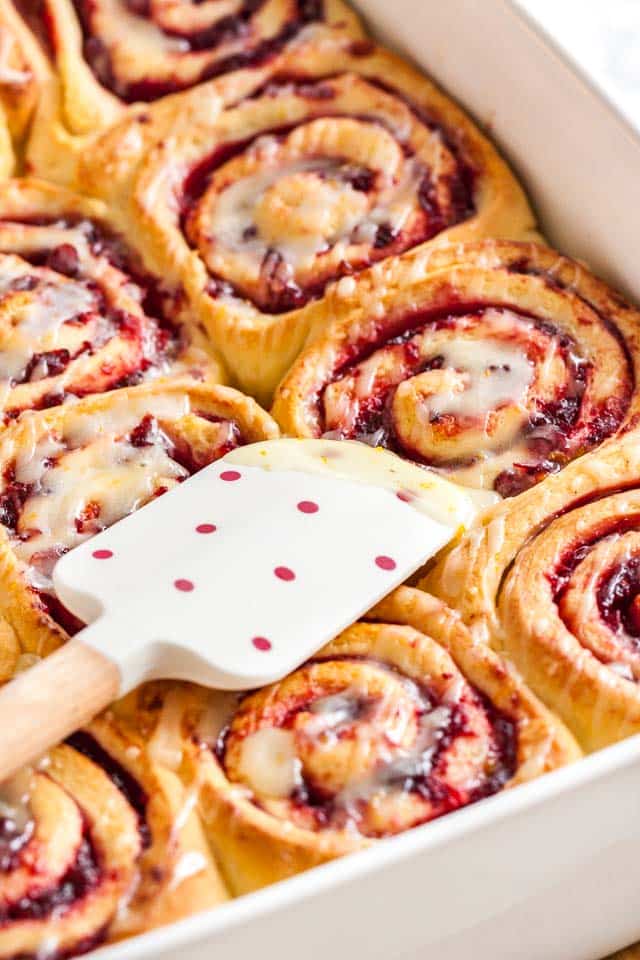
538,872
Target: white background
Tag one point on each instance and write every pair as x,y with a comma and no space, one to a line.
604,36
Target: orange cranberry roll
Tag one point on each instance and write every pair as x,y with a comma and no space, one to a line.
110,54
100,839
69,472
553,579
394,723
346,158
78,314
496,363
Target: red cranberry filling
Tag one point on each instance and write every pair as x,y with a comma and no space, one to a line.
614,580
575,553
616,595
81,878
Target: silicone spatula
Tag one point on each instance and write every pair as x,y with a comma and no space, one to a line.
232,579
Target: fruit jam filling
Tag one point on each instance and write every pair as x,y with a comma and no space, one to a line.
596,582
184,43
378,755
499,397
74,317
280,215
73,483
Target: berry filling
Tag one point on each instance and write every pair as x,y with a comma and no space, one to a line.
618,599
595,586
82,876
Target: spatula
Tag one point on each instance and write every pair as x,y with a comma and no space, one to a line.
232,579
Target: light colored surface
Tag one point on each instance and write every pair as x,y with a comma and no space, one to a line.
604,36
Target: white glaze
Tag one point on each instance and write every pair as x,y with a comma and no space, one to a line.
496,374
268,762
96,464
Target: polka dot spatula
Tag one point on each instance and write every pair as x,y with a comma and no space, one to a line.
232,579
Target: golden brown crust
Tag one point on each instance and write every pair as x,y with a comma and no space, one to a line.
549,578
24,74
346,98
142,72
108,841
369,673
7,157
186,424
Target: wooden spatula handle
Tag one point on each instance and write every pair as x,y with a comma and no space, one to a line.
46,703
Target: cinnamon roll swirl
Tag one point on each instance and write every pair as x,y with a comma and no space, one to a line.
396,722
553,579
345,157
496,363
111,54
69,472
78,313
100,839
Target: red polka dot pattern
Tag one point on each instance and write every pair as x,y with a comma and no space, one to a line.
308,506
102,554
206,528
385,563
261,643
186,586
284,573
230,475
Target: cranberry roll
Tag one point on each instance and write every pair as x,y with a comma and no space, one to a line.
100,839
393,724
552,578
347,158
496,363
78,314
69,472
111,54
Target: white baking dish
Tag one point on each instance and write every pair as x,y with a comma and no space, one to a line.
550,870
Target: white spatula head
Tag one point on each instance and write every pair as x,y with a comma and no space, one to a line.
246,569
